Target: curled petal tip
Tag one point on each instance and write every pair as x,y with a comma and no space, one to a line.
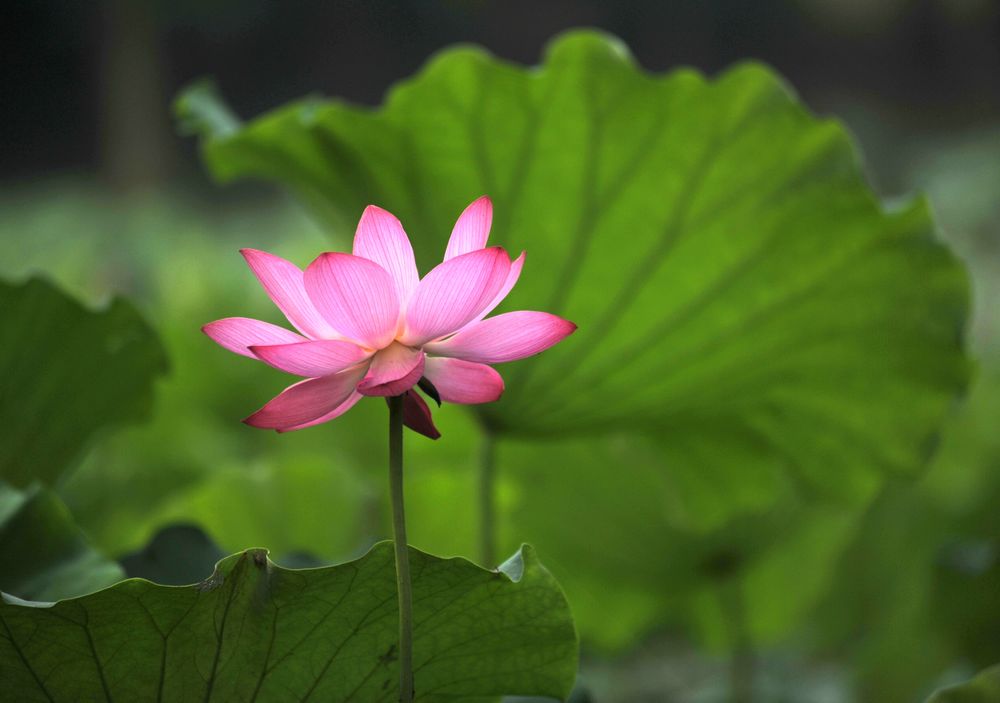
249,253
320,257
472,229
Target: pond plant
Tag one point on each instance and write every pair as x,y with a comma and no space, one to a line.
766,357
368,325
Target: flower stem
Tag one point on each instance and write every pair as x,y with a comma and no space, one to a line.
742,662
403,587
487,501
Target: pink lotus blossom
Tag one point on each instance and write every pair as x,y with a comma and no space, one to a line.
368,325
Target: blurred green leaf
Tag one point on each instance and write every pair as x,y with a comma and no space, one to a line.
313,503
984,688
717,585
176,556
68,373
255,629
916,589
201,110
739,290
43,554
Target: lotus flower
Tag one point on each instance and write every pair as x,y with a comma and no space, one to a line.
368,325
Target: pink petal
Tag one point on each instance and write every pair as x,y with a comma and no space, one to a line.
393,371
238,334
508,285
311,359
472,228
307,401
380,238
356,296
453,293
417,416
283,282
507,337
459,381
351,401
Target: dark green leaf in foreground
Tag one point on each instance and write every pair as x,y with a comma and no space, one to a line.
984,688
67,373
739,290
255,631
43,554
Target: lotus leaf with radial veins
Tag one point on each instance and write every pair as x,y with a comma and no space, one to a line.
741,293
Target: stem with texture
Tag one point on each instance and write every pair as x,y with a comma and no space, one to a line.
487,501
403,586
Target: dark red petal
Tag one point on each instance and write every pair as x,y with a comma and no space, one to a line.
417,416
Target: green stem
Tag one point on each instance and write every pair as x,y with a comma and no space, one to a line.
487,501
403,587
742,663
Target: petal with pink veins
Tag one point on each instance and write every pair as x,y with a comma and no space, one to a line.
508,285
393,371
453,294
380,238
306,401
238,334
320,357
472,228
356,295
284,284
507,337
466,382
417,416
351,401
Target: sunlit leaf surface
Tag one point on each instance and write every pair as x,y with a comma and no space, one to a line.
256,631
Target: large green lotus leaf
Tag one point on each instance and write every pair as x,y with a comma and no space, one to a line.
43,554
734,278
67,372
983,688
255,631
716,585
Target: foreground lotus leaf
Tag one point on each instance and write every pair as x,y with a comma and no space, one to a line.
256,631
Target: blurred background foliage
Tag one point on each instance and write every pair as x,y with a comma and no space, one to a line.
879,598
